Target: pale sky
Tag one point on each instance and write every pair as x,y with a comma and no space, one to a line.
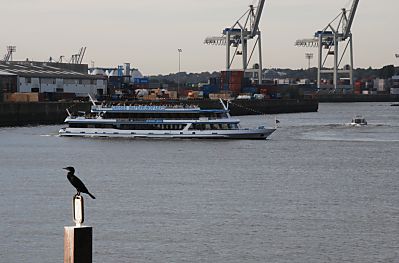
148,33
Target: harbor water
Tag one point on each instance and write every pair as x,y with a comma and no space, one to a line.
316,191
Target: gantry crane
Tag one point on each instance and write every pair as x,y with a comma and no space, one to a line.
328,41
244,29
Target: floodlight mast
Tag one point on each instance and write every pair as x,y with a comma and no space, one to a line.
244,29
330,38
10,50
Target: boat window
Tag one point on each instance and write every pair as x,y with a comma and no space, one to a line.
78,125
197,126
104,126
150,127
225,126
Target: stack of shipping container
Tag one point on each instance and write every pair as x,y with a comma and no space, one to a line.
395,85
141,83
382,86
232,80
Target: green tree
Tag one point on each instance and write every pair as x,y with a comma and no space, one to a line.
387,72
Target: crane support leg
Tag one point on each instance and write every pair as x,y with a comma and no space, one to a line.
319,63
351,60
228,51
260,58
244,51
335,62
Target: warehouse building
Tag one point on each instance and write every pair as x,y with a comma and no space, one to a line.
65,80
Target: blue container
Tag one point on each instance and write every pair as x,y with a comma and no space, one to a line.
144,81
120,71
250,90
141,81
225,87
208,89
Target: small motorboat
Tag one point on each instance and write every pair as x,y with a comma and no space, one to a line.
358,121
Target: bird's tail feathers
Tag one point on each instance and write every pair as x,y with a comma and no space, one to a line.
92,196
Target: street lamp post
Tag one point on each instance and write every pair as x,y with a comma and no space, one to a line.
309,57
178,74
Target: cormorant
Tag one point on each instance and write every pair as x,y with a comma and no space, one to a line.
76,182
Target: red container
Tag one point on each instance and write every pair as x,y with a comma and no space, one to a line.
359,84
232,76
235,88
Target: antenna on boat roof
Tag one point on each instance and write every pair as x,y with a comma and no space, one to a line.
91,99
225,106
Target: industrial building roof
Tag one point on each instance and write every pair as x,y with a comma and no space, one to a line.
41,70
5,73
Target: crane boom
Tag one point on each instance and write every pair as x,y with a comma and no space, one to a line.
81,54
258,15
350,19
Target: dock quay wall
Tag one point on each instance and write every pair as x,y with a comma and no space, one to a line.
36,113
256,107
358,98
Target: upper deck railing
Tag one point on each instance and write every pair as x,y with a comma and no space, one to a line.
152,109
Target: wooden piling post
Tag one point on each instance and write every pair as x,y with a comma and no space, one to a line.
78,243
78,239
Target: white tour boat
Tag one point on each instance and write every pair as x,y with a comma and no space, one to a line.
358,121
166,121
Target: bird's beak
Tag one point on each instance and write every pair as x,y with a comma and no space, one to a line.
65,168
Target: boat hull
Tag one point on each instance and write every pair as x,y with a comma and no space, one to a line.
249,134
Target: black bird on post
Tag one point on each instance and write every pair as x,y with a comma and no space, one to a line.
76,182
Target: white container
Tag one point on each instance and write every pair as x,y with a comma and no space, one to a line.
395,91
